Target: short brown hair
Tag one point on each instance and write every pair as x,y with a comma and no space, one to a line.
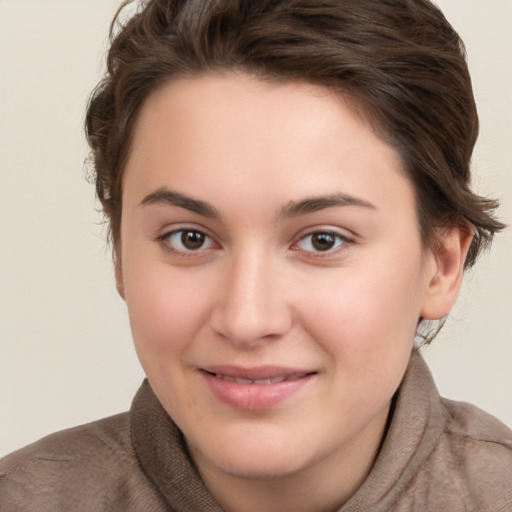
400,59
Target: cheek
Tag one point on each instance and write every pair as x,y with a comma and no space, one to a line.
367,312
165,309
366,324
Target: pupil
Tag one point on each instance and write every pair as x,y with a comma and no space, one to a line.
192,239
323,241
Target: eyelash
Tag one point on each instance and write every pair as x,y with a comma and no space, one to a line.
340,242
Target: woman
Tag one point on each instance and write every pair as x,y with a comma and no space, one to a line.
287,187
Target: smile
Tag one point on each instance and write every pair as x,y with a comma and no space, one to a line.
260,382
254,389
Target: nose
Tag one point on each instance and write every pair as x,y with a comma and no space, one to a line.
251,307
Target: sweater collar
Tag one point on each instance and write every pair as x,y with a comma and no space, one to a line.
163,455
415,426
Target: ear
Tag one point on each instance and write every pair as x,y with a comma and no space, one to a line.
118,272
444,285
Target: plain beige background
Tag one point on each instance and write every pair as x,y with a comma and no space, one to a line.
65,349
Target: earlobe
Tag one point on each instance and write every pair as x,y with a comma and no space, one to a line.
444,285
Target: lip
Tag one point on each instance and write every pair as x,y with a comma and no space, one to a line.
254,389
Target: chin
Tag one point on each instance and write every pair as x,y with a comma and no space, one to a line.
257,460
248,468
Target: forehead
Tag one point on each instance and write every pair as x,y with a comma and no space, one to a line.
237,132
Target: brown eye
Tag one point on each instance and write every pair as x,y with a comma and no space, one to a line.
192,240
323,241
188,240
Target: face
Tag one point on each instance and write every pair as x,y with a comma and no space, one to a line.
273,270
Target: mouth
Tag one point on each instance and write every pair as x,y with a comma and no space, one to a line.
255,389
261,381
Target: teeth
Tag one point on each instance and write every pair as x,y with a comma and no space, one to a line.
262,382
244,381
258,382
276,380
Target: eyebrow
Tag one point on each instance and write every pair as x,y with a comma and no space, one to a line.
317,203
164,196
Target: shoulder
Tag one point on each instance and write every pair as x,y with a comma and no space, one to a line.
100,443
467,420
480,438
473,458
469,427
90,467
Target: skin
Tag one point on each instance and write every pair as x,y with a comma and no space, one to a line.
259,292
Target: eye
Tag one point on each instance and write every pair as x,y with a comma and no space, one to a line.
187,240
321,241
